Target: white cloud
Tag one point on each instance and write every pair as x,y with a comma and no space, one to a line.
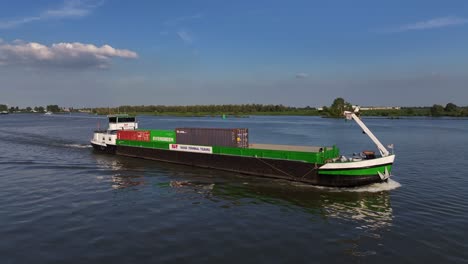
185,36
434,23
72,55
69,9
178,20
17,22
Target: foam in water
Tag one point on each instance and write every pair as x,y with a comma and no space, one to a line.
78,145
375,187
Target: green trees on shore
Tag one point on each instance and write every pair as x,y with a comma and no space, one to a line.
39,109
337,108
53,108
231,109
449,110
29,109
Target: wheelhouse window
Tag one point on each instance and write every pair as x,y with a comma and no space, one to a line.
116,119
126,119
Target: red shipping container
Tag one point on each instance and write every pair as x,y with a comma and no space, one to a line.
136,135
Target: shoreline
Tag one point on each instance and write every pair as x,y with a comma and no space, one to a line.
247,115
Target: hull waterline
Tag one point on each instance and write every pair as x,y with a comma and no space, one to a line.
109,149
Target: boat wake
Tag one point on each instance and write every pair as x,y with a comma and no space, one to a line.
78,146
376,187
25,138
372,188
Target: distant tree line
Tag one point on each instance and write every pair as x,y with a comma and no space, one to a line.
37,109
212,109
449,110
436,110
336,109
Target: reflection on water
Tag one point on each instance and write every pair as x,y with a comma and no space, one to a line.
367,212
60,200
124,175
123,181
370,210
368,207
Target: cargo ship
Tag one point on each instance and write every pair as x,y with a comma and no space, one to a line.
230,150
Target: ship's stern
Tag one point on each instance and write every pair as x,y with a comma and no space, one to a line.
103,141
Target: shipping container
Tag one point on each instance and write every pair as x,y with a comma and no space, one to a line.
311,157
228,137
137,135
143,144
168,136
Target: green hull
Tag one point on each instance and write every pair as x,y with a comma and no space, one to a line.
310,157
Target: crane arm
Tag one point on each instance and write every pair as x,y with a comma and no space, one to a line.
383,151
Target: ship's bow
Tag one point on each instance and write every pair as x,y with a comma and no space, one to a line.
356,173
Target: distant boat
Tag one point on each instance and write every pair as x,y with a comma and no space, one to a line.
4,113
48,113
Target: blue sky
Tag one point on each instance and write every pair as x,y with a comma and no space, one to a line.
103,52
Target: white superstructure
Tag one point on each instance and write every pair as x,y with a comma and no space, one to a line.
108,137
122,122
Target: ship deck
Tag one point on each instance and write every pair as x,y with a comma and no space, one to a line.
287,147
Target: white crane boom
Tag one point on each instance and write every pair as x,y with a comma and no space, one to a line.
383,151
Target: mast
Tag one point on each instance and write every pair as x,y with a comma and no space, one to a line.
350,115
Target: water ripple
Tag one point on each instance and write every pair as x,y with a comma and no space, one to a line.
62,203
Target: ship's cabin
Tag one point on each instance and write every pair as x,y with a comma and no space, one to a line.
122,122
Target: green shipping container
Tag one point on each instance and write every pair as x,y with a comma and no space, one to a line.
168,136
143,144
311,157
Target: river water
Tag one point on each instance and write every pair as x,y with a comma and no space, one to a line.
62,203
